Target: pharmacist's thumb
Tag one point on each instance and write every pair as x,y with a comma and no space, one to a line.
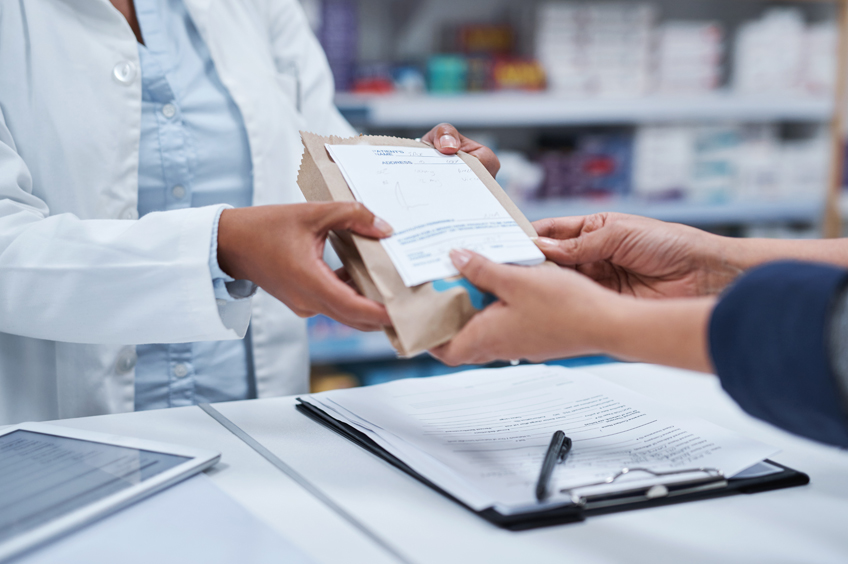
352,216
486,275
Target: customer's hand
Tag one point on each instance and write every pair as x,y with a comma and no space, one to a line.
542,312
639,256
448,140
546,312
280,248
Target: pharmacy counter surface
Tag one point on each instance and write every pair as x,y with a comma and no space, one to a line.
805,524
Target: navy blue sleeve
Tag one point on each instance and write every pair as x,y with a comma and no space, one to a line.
769,344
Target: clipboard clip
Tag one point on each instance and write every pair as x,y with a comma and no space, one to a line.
713,478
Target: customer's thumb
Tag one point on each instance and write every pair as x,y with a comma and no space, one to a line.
486,275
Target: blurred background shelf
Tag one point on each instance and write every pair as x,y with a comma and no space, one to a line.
354,346
801,211
543,109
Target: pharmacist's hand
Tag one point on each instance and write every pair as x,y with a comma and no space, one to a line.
639,256
280,248
542,312
448,140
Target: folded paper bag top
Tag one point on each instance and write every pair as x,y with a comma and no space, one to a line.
423,316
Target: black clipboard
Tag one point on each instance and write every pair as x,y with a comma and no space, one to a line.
568,514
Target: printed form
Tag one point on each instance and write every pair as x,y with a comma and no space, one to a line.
435,203
481,435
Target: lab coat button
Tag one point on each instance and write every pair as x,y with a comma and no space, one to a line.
131,214
125,72
126,361
180,370
178,191
220,303
168,110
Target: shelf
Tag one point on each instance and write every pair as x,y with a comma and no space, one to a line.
360,347
701,215
516,109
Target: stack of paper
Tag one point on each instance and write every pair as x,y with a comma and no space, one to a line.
435,203
481,435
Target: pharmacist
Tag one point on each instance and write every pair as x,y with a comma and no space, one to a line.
644,290
133,138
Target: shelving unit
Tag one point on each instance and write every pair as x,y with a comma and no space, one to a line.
407,114
526,109
832,218
700,215
539,110
365,347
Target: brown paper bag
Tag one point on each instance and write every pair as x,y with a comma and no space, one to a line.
424,316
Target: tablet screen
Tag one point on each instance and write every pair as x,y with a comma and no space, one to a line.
43,477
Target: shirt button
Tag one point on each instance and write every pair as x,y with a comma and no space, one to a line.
125,72
130,214
180,370
168,110
178,191
220,303
126,361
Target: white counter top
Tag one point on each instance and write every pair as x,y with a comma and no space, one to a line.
805,524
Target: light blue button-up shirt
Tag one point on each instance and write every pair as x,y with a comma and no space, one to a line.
194,152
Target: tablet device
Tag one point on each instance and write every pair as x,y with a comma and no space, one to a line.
54,479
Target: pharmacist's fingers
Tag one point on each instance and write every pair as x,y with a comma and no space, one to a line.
484,339
359,323
484,154
343,275
498,279
445,138
329,295
448,140
352,216
357,311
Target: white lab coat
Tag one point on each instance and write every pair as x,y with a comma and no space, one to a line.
82,280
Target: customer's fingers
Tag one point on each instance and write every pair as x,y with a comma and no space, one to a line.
587,248
604,273
499,279
560,227
480,341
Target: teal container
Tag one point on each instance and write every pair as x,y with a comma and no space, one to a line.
447,74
